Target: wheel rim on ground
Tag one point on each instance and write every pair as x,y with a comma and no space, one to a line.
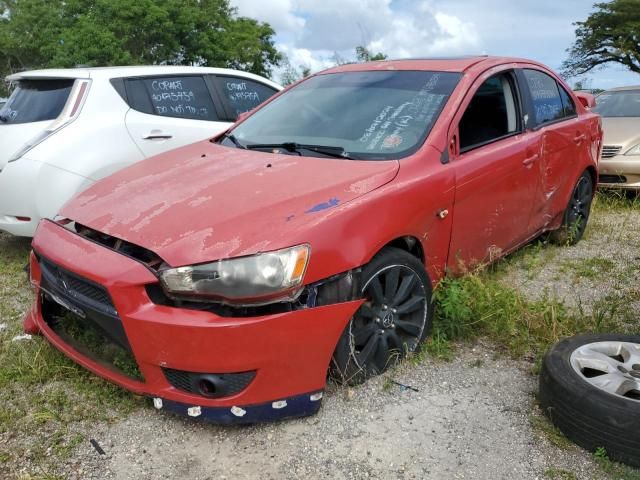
611,366
391,322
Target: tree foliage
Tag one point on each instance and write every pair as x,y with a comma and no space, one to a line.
363,54
67,33
611,34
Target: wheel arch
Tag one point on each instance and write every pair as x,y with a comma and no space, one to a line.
409,244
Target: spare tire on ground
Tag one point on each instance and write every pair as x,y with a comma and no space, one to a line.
590,389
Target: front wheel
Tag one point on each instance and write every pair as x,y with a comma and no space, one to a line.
576,215
393,321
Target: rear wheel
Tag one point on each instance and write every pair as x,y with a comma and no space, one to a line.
394,319
576,215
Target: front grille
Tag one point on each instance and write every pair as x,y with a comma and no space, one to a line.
82,315
609,151
77,287
212,385
612,179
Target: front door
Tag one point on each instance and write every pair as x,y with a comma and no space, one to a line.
496,177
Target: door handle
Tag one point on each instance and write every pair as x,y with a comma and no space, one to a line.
157,135
529,160
580,138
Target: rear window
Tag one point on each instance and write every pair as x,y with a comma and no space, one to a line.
36,101
178,97
242,95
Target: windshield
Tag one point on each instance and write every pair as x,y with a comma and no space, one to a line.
36,101
623,103
369,115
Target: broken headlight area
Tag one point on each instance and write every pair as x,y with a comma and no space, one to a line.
253,280
339,288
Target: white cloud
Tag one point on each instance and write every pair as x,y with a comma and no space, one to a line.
311,32
277,13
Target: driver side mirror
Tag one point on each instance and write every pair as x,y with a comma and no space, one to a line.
586,99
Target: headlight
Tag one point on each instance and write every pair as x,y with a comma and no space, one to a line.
634,150
253,280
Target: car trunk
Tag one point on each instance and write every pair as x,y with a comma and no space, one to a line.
32,107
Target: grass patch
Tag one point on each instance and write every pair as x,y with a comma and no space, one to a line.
543,426
560,474
478,304
591,268
47,402
614,470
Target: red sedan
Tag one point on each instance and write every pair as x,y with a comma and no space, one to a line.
224,279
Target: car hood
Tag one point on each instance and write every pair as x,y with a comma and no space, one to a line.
623,131
204,202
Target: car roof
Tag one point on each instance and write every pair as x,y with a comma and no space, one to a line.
436,64
620,89
131,71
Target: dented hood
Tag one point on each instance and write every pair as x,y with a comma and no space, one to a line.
204,202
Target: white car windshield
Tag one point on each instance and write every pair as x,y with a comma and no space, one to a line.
360,115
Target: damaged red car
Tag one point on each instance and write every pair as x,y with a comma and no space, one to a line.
226,278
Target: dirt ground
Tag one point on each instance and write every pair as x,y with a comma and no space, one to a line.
474,417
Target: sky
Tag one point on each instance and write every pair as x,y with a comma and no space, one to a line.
311,32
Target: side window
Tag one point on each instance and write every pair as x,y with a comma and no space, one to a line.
242,95
491,114
178,97
547,104
567,102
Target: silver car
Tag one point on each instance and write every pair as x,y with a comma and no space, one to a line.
620,160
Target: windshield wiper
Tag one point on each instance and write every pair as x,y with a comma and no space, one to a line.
336,152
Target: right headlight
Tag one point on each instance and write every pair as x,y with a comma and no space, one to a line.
253,280
633,150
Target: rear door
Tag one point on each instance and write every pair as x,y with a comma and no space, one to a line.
559,139
495,180
31,108
168,112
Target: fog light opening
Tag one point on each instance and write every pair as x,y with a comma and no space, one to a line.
207,387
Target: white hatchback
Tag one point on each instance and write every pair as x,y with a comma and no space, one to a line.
62,130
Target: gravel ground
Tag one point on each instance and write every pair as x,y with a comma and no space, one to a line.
603,264
469,419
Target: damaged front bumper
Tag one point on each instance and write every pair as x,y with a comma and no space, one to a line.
195,363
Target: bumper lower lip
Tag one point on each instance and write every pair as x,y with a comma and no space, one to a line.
289,351
292,407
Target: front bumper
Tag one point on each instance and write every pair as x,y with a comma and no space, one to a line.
290,352
621,171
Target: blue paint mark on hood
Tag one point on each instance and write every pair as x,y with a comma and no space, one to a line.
323,206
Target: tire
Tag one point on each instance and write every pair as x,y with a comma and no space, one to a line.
394,320
590,415
576,215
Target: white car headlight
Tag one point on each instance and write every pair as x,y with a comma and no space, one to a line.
633,150
252,280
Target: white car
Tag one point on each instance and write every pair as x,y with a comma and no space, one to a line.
61,130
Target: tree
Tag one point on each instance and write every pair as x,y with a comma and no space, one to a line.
66,33
363,54
611,34
291,74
